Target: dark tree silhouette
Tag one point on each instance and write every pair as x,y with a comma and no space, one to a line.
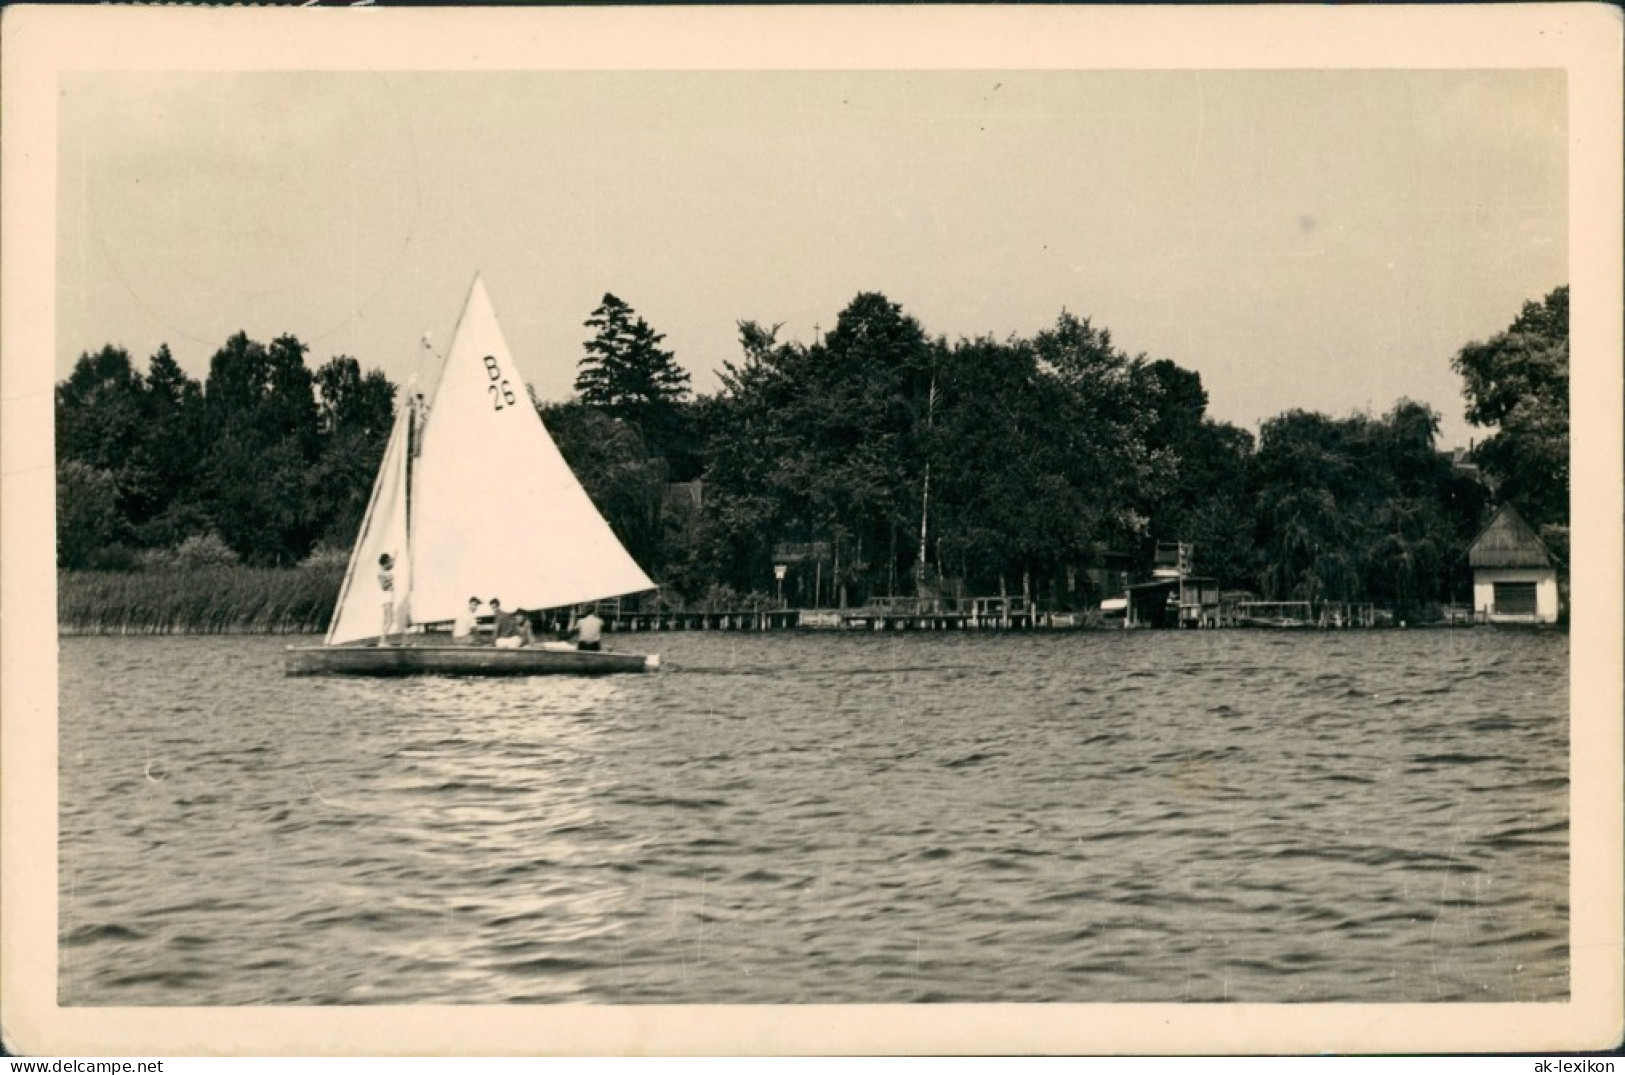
1518,383
626,373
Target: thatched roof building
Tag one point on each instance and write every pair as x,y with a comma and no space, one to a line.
1507,541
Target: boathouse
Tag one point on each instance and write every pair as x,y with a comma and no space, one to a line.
1514,578
1174,597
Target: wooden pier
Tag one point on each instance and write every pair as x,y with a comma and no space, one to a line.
851,619
1253,614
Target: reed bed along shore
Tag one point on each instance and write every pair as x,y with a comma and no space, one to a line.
208,600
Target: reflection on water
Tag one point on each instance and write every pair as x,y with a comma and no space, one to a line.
786,818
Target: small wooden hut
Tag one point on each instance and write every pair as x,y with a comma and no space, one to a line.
1174,597
1514,578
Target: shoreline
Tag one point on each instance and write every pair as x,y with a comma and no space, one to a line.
239,630
299,601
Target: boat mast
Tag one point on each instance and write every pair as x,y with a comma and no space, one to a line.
415,422
406,497
925,492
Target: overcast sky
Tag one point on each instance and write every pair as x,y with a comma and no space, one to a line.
1315,239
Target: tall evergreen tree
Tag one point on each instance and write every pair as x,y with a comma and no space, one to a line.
170,452
626,373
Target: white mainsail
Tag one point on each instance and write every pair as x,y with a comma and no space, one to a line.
361,600
496,511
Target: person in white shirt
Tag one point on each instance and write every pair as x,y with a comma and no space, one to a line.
386,585
462,628
589,632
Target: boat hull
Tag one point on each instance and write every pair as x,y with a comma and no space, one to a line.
458,661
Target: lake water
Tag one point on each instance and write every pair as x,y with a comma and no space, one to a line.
792,818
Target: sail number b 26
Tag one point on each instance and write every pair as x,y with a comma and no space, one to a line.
501,394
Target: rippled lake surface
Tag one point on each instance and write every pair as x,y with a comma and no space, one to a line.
790,818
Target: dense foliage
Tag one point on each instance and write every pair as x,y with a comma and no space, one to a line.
1362,508
1518,384
265,456
877,461
1006,466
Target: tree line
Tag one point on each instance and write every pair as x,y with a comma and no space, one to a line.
261,462
877,460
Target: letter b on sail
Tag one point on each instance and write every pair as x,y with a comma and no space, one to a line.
501,394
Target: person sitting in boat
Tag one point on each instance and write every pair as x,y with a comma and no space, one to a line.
386,584
589,632
512,628
462,628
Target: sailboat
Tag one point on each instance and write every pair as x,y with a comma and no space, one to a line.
472,499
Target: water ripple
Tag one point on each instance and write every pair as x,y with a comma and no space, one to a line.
1197,816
